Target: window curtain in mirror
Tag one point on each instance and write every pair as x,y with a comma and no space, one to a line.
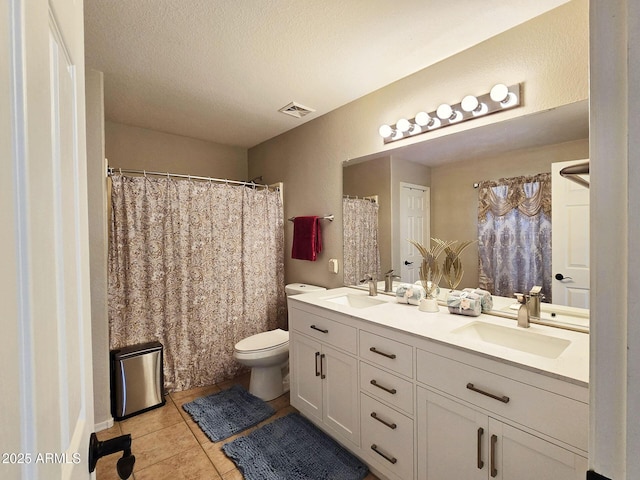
197,266
514,235
361,251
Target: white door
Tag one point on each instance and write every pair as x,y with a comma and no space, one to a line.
570,239
340,393
452,440
47,403
414,225
306,381
527,457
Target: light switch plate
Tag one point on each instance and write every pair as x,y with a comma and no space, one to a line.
333,265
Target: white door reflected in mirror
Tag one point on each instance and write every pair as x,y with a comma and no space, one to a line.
414,225
570,239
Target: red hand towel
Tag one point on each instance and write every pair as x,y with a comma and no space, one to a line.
307,239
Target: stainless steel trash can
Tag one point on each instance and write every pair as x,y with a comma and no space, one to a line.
137,379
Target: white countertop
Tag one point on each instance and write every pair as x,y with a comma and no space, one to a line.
571,365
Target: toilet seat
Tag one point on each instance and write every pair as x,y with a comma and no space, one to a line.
263,342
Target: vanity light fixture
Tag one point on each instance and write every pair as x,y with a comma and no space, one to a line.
501,97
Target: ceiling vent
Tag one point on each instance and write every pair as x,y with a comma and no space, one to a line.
296,110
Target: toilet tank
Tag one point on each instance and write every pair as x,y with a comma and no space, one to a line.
298,288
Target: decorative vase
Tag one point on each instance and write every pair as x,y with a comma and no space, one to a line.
430,273
452,267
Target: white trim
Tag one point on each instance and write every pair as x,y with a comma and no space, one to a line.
104,425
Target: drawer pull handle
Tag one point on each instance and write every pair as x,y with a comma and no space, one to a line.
392,356
503,398
494,470
320,329
392,391
322,375
392,426
317,372
480,462
389,459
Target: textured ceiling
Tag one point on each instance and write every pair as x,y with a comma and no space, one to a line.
219,70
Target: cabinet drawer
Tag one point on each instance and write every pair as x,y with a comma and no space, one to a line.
327,331
386,386
555,415
388,353
390,434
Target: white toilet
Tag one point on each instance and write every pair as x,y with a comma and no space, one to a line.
267,354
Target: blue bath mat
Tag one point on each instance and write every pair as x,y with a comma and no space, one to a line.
228,412
292,448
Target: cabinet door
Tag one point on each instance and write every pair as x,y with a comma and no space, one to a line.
522,456
340,393
452,439
306,380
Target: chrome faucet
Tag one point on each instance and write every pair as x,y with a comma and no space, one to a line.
373,284
388,281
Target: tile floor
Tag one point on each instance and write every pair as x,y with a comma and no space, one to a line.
168,444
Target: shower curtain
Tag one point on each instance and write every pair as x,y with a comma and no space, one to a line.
360,237
514,235
197,266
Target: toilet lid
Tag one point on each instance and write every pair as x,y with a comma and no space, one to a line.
262,341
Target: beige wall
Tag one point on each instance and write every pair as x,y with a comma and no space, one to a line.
548,55
452,191
138,148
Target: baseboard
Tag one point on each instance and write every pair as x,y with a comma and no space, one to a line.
591,475
104,425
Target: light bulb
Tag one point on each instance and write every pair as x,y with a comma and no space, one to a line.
472,104
469,103
415,128
403,125
385,131
444,111
423,119
499,92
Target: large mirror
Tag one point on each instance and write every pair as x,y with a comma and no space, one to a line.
444,172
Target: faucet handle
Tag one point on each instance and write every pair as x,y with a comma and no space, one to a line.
535,290
522,298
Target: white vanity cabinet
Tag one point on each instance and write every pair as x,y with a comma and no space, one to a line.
387,384
475,424
324,379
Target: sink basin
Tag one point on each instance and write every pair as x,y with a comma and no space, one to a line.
515,338
355,301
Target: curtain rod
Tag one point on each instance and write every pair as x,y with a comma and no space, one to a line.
111,171
326,217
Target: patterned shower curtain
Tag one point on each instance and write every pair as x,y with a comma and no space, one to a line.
197,266
361,252
514,235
